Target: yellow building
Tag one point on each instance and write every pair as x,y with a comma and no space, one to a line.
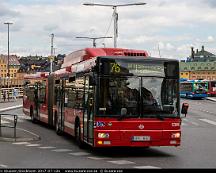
14,66
198,70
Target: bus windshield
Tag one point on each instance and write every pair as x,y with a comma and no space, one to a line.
139,96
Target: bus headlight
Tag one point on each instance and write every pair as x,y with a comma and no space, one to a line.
176,135
103,135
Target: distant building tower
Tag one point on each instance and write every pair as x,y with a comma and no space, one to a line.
201,56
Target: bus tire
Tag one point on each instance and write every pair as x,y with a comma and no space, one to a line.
57,125
78,135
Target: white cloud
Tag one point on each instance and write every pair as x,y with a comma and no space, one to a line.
174,25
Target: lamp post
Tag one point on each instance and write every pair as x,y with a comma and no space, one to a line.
8,63
115,15
51,58
94,39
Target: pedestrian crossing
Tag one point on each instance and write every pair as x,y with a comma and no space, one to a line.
85,154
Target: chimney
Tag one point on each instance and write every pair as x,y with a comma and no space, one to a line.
202,48
197,51
192,53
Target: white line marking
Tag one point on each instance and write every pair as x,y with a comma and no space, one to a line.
79,154
121,162
33,145
208,121
9,108
21,143
97,158
49,147
184,124
3,166
146,167
62,150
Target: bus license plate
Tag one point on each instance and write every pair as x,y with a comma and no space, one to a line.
141,138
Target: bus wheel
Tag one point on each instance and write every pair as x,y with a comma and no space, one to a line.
78,136
58,127
33,119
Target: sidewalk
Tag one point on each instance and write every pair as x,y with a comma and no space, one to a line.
7,134
4,106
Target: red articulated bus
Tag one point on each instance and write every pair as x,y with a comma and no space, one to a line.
109,97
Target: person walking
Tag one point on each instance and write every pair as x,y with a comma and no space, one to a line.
14,94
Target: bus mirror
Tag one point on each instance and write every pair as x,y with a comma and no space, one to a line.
184,109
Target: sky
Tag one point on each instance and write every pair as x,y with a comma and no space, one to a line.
164,28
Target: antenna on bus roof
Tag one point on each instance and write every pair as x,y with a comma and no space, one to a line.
94,39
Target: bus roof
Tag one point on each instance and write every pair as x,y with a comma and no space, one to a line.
88,53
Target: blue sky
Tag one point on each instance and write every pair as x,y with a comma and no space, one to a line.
173,26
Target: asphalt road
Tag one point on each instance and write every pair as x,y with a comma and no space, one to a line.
198,148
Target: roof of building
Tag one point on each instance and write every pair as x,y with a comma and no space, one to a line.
198,66
201,56
13,60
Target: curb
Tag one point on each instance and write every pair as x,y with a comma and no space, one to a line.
11,108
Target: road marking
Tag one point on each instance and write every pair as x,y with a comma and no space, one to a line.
188,121
62,150
121,162
184,124
21,143
208,121
49,147
97,158
146,167
33,145
10,108
79,154
3,166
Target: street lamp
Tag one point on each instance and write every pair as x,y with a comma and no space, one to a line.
51,58
8,64
94,39
115,15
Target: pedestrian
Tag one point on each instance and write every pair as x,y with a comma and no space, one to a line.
4,95
14,93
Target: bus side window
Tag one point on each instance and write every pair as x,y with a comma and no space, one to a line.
79,87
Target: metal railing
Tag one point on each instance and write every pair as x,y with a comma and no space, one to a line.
13,125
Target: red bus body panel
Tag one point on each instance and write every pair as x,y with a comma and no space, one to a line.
121,132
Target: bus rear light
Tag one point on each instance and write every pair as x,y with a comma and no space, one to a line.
176,135
103,135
